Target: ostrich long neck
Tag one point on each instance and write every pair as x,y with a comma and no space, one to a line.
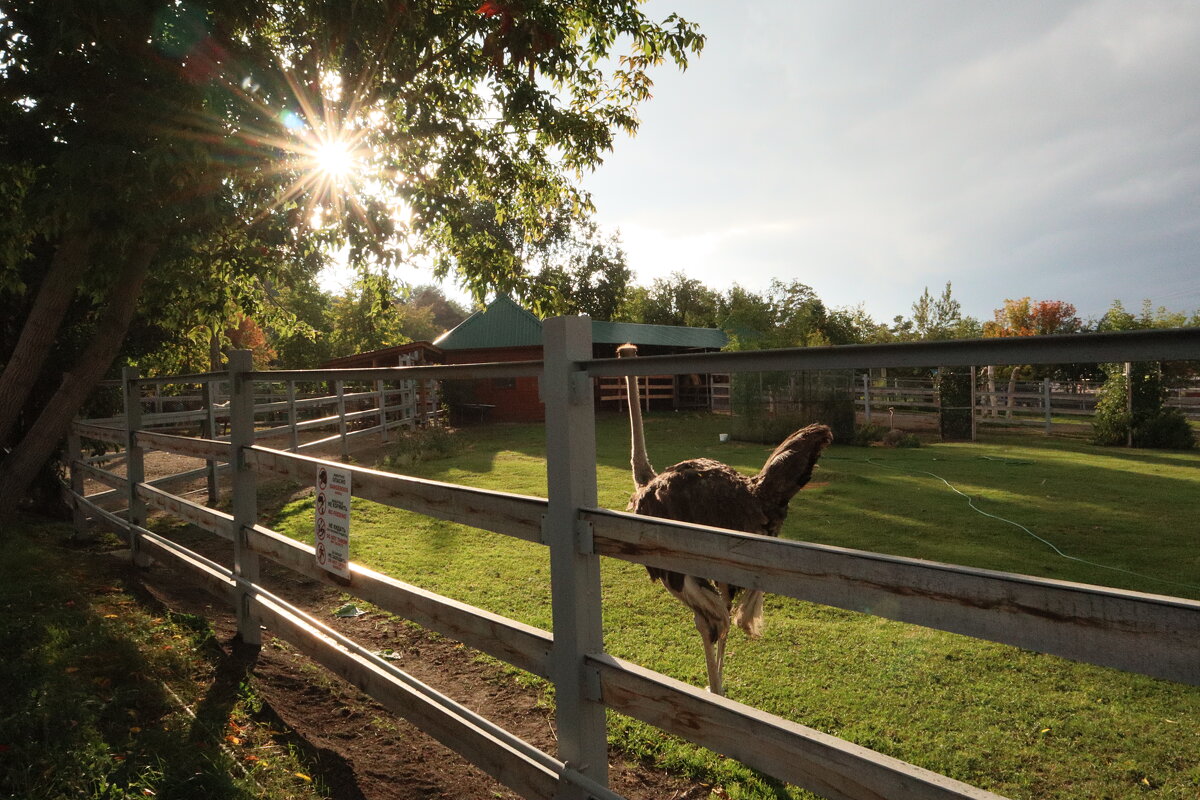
643,473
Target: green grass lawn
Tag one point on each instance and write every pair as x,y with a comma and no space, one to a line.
103,700
1018,723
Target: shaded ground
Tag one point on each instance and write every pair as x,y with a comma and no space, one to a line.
358,749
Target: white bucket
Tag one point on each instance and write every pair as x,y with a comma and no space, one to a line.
724,437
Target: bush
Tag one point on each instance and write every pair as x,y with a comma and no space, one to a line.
901,439
422,444
769,406
1152,424
865,435
954,393
1167,430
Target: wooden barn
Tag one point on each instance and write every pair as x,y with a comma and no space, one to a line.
504,331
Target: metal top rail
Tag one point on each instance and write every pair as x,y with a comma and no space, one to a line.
1175,344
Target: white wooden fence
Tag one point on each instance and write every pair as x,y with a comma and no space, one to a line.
1035,403
1150,634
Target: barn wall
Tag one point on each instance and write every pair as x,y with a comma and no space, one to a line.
515,399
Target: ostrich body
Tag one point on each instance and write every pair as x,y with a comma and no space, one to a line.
707,492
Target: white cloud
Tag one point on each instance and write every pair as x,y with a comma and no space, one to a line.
872,148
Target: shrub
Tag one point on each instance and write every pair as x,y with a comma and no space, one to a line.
901,439
865,435
1152,424
1168,429
422,444
954,393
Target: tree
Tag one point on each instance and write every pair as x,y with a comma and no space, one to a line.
442,313
1025,317
588,275
134,135
936,318
366,317
676,300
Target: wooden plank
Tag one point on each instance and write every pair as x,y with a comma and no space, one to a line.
510,514
101,475
521,645
437,372
186,446
209,519
831,767
1149,634
101,433
454,726
216,579
172,417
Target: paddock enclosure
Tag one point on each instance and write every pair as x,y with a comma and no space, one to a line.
1153,635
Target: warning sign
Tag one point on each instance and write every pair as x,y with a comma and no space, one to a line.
332,526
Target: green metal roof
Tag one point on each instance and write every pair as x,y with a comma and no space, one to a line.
502,324
505,324
662,335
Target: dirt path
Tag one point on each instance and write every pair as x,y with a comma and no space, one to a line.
361,751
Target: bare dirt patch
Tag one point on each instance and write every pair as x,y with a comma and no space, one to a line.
358,749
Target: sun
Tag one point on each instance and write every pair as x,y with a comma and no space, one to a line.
336,159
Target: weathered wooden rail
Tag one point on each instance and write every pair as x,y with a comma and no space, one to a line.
1149,634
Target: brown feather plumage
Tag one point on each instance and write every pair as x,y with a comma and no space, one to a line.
707,492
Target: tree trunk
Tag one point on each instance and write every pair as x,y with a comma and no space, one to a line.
991,388
41,327
20,467
1012,391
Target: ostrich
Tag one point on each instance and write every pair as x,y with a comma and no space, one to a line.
707,492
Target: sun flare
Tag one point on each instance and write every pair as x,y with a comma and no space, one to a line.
336,158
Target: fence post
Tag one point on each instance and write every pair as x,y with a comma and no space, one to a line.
867,397
245,493
135,466
1046,402
574,568
379,387
209,431
974,401
339,389
1129,403
294,440
75,454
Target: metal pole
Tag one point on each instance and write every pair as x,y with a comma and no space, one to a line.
245,493
135,465
574,568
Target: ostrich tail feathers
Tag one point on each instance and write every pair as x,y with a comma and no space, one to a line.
791,465
748,613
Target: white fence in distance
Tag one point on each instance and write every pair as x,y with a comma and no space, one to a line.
1150,634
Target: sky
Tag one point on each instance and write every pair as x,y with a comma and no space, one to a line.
873,148
870,149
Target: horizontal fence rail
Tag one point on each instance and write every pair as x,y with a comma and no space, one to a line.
831,767
1154,635
1150,634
